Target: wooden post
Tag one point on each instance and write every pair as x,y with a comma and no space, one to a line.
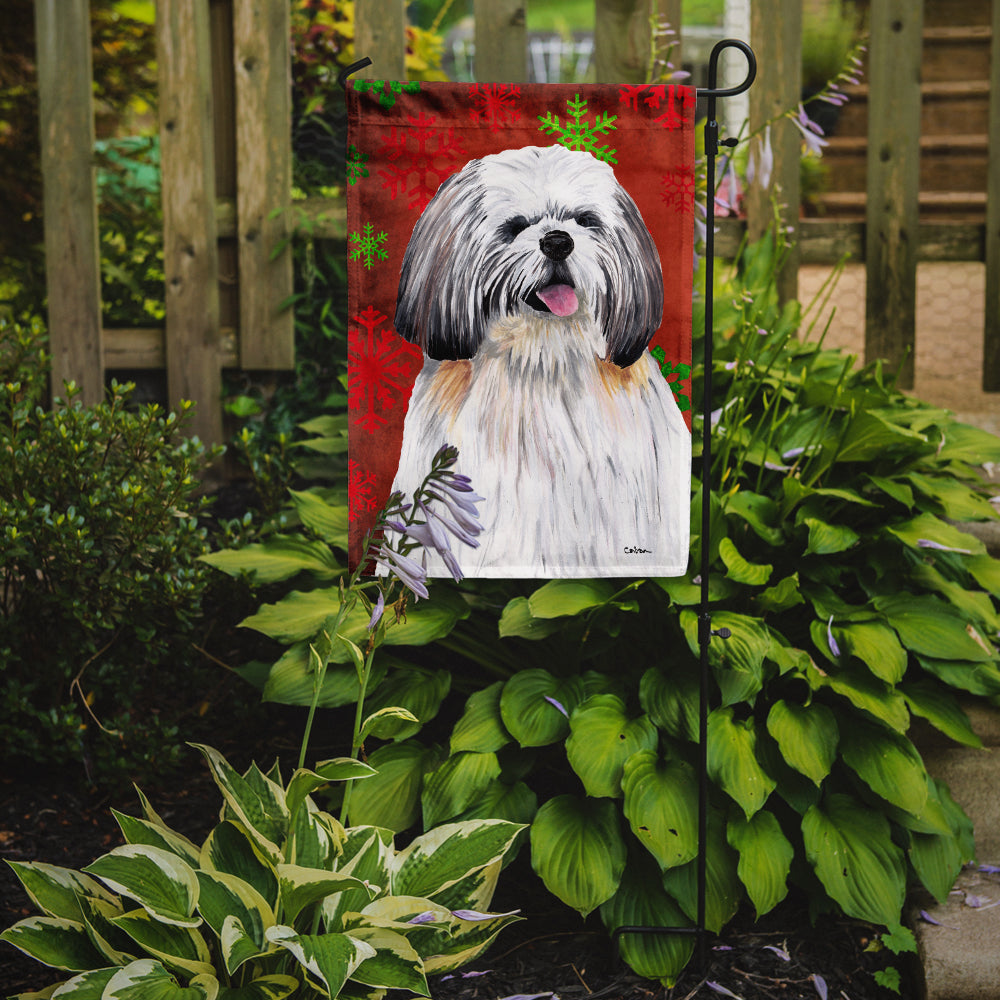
190,254
501,41
776,35
72,256
991,333
893,183
262,60
380,34
622,40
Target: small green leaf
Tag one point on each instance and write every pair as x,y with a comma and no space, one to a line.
327,520
739,569
558,598
765,858
384,723
828,539
807,736
517,620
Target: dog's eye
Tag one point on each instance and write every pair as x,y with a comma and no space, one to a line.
513,227
589,220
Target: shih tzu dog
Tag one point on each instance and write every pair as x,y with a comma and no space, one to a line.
533,287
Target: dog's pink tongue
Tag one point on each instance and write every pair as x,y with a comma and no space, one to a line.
561,299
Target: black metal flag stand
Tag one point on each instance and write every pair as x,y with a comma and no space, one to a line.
705,631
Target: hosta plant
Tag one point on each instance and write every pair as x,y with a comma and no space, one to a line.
279,900
855,604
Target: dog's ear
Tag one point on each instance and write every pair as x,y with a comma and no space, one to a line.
632,309
438,302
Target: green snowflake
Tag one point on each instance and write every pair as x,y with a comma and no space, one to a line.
387,90
368,246
356,161
675,375
578,133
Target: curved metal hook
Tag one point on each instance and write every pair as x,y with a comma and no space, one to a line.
713,70
353,68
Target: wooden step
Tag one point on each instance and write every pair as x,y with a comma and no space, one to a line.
940,13
947,162
956,53
944,103
958,206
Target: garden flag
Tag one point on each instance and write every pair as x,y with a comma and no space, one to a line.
520,271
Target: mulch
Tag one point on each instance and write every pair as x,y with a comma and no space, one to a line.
59,820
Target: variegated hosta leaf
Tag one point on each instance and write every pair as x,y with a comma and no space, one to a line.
475,891
256,801
141,831
225,897
158,880
315,838
367,853
329,959
300,887
456,784
765,858
274,987
602,737
304,782
732,760
807,736
230,849
578,851
395,964
441,857
147,979
661,799
54,941
850,847
468,939
177,947
481,727
56,891
116,946
642,902
723,889
86,986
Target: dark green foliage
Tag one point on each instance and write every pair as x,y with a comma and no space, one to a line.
99,539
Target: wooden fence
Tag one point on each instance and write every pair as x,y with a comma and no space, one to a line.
226,161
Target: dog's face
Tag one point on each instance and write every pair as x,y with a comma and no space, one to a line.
543,232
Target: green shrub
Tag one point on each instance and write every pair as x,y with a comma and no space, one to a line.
280,899
99,539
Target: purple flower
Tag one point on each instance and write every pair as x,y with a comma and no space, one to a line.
780,952
377,611
411,574
761,162
475,915
427,917
719,988
834,648
820,983
927,543
552,701
811,132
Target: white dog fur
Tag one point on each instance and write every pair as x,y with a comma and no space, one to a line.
533,286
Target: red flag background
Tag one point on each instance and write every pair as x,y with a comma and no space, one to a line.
405,139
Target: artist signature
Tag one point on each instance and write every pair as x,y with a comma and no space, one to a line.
635,549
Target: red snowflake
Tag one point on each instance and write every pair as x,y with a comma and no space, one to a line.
420,158
677,100
494,104
360,491
677,188
381,366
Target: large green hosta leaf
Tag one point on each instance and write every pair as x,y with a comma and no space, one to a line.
481,727
535,706
569,597
602,738
941,709
850,848
765,858
279,558
578,851
641,901
888,763
661,805
456,785
738,661
876,645
932,628
391,798
670,698
732,760
416,689
807,736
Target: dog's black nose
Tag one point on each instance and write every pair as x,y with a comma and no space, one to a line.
556,245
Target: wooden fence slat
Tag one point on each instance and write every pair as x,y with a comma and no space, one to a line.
72,256
621,40
991,332
893,184
380,34
776,36
262,61
190,253
501,41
